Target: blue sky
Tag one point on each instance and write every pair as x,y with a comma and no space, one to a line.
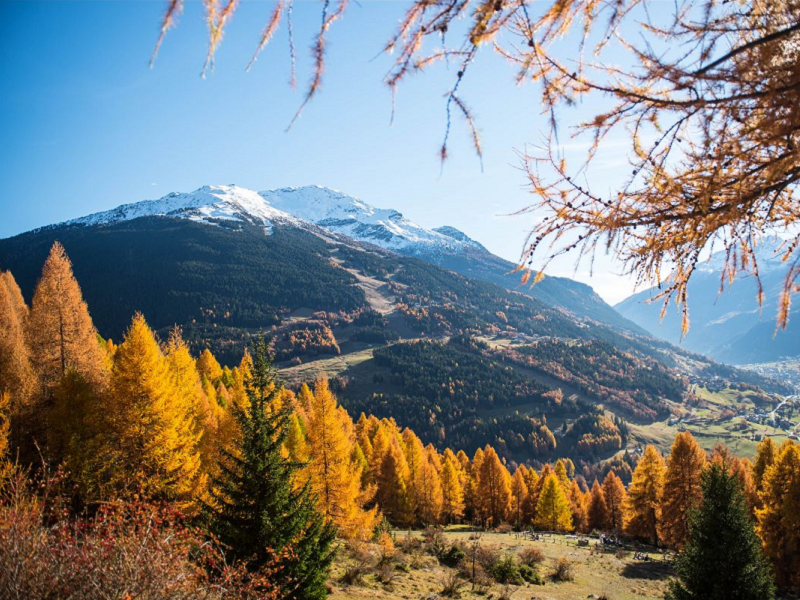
86,125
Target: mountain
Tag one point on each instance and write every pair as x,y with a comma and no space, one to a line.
339,213
443,246
459,357
730,326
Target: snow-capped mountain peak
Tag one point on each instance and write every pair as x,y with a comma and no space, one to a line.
208,204
302,207
354,218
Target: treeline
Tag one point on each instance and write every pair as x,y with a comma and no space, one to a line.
273,475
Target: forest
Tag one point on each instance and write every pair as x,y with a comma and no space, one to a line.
239,487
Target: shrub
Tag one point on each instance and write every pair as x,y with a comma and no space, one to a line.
487,556
531,556
530,575
563,570
506,570
453,556
452,584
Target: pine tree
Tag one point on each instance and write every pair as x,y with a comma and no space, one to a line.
598,510
552,508
335,477
152,428
779,517
681,488
494,488
615,495
519,494
61,332
722,559
452,490
643,503
255,510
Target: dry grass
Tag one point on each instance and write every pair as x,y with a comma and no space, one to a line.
418,574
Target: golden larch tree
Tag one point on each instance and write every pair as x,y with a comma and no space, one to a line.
392,488
429,492
154,441
18,380
682,490
209,367
494,488
61,333
452,489
779,517
765,456
614,493
519,494
597,513
643,503
552,507
335,477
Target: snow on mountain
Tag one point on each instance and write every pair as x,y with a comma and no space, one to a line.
324,207
208,204
354,218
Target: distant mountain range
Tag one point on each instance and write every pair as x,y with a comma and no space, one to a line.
730,326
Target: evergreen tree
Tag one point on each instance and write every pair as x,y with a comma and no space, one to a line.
722,559
255,508
681,488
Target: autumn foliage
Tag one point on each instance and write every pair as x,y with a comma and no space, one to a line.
143,423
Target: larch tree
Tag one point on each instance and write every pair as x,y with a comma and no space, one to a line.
18,380
598,510
60,330
335,477
643,503
614,492
494,488
430,495
765,456
206,412
519,494
209,367
392,493
414,453
532,480
779,517
154,438
681,488
552,508
722,558
452,489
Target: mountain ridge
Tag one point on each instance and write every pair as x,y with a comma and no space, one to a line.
314,206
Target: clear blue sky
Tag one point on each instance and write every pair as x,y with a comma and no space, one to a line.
86,125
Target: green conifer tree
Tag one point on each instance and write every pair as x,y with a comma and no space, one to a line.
255,509
722,559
